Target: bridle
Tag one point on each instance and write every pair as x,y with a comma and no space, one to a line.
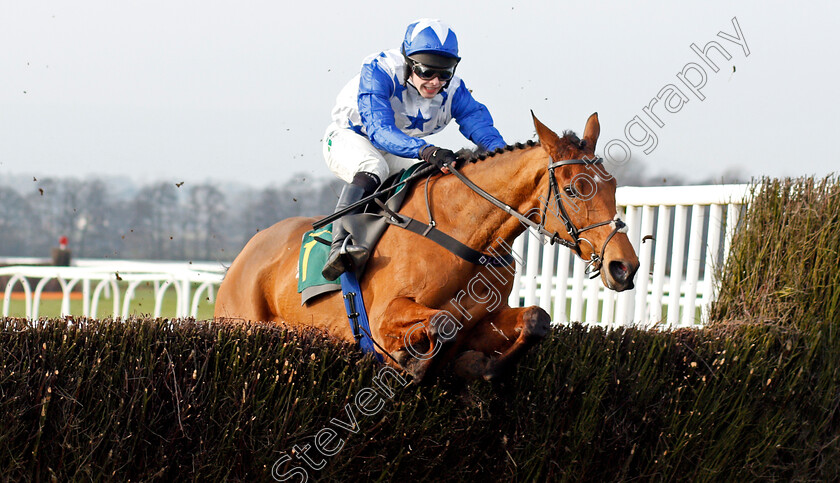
593,265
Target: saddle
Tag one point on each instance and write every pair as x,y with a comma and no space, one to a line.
366,228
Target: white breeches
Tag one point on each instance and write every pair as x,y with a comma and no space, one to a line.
348,153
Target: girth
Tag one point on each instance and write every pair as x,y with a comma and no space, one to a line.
451,244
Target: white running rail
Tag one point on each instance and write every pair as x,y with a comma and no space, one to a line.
674,287
116,280
691,229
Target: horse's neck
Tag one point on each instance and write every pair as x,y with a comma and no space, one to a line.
511,177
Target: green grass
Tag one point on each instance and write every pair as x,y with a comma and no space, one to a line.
143,303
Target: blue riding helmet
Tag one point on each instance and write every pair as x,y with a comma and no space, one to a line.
431,42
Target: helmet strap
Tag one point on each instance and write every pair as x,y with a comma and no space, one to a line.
407,69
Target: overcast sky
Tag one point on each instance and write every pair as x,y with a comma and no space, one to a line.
241,91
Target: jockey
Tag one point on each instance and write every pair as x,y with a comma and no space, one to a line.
380,116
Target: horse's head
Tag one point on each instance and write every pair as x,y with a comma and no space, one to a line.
581,206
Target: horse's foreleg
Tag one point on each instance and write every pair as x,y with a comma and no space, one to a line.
500,340
417,336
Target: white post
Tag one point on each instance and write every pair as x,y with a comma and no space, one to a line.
129,294
86,297
563,255
532,268
592,300
663,234
695,243
576,314
206,286
713,258
518,246
27,294
626,299
184,299
677,265
643,275
160,292
547,277
66,290
115,300
36,297
608,316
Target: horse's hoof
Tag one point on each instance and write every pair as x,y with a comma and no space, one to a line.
492,376
535,324
417,370
471,365
496,374
401,356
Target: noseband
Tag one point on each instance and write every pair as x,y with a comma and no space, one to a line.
593,265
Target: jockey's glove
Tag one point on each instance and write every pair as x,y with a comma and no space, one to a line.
438,156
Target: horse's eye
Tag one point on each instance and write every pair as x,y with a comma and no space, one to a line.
570,191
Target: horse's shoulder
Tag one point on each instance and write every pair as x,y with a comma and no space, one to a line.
295,226
285,233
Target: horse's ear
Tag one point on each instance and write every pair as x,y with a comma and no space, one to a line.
548,138
592,130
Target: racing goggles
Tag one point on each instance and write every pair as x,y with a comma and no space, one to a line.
427,73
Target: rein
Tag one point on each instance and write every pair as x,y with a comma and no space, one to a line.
593,265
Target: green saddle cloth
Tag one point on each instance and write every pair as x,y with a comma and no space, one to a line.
313,257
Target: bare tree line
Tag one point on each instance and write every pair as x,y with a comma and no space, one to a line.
177,221
161,221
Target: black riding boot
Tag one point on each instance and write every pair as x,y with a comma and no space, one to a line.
343,254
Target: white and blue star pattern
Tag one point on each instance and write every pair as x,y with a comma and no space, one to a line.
394,117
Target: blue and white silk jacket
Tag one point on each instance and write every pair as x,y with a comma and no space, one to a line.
394,116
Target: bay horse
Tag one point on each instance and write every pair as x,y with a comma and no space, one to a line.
421,316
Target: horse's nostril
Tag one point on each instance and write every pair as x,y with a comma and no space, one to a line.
620,271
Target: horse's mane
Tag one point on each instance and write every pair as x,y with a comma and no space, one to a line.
480,154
